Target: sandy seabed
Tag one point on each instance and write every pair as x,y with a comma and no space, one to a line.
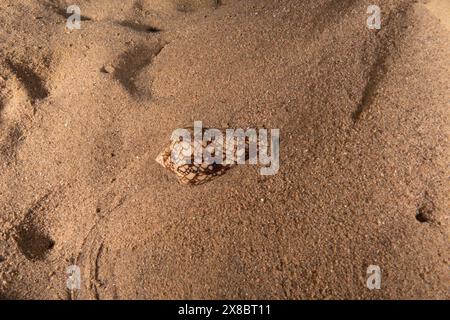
364,178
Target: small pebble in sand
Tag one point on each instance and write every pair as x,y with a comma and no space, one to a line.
108,69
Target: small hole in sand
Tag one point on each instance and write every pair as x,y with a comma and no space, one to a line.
422,216
51,245
152,29
34,244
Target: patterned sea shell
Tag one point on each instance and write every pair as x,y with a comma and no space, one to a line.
178,153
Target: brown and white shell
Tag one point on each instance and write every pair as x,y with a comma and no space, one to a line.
192,173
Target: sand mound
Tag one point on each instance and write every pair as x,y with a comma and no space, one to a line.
364,121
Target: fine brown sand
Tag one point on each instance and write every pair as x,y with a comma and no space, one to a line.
364,178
